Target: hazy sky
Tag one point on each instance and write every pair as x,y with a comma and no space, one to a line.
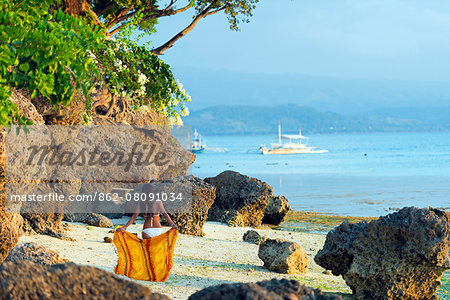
391,39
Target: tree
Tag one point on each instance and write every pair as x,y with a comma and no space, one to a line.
117,14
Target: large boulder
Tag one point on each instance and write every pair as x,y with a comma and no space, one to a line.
27,280
161,157
11,225
10,231
276,210
264,290
203,195
240,200
283,256
399,256
337,253
35,253
86,178
36,222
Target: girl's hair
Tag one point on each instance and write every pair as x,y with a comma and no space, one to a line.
148,204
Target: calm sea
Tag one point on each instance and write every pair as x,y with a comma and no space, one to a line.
361,175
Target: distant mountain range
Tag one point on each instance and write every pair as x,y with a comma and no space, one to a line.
343,96
239,119
225,102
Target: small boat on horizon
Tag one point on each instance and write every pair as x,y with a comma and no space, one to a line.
197,146
294,144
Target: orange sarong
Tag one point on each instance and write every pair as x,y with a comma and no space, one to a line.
145,259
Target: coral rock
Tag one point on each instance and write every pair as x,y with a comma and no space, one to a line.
399,256
203,195
276,210
27,280
98,220
35,253
253,237
240,200
283,256
264,290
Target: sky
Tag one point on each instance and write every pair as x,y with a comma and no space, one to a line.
390,39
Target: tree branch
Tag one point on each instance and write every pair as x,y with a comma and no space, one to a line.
207,11
114,21
169,12
125,17
117,29
149,14
94,17
217,10
172,2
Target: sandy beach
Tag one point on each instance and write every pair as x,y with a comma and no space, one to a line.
219,257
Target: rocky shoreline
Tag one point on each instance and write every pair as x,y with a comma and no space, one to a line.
220,257
230,245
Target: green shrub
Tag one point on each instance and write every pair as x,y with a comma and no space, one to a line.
51,53
45,53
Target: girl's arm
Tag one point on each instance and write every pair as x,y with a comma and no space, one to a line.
131,220
166,216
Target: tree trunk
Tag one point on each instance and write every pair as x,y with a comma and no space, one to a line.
80,8
75,7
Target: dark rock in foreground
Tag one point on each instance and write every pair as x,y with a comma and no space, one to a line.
253,237
276,210
34,253
67,281
269,289
240,200
400,256
283,256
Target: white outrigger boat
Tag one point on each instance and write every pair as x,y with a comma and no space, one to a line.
294,144
197,146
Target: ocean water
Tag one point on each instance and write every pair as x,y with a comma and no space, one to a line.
361,175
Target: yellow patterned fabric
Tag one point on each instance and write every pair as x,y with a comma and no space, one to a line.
145,259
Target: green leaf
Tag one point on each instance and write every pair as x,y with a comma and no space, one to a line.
24,67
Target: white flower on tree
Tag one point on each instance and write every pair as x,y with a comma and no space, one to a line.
184,112
142,79
175,120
